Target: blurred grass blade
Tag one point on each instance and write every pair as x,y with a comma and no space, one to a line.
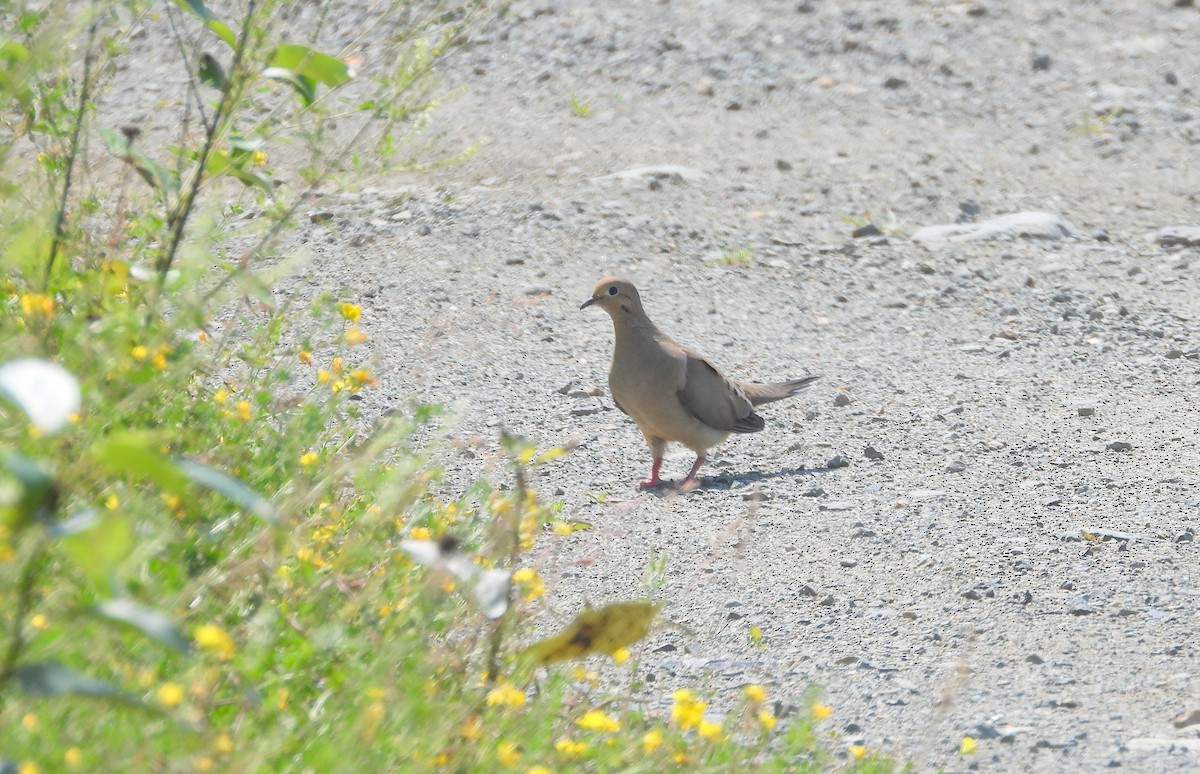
219,27
151,171
47,393
303,86
75,523
233,488
136,453
50,678
151,623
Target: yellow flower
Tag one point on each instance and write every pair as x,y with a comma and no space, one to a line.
508,754
243,410
37,304
968,746
710,730
139,352
505,696
308,458
570,748
336,365
350,311
305,356
858,751
420,533
215,639
563,528
39,621
160,361
820,711
221,395
755,694
223,743
359,377
170,694
585,675
29,721
73,756
688,711
530,581
204,763
472,729
767,719
260,158
28,767
112,502
595,720
355,336
281,699
539,770
652,740
620,655
324,376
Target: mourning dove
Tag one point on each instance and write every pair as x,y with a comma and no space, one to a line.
672,392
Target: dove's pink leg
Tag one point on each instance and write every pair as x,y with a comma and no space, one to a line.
654,480
690,482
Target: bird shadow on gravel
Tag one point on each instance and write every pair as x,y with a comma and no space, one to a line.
726,481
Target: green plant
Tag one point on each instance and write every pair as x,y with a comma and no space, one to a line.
581,109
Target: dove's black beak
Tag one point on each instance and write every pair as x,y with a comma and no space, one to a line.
589,302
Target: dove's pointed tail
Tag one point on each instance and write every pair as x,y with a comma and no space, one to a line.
769,393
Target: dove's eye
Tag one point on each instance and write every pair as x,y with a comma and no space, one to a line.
612,291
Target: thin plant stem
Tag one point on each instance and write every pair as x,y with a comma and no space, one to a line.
60,217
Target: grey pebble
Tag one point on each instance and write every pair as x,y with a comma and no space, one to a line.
537,290
957,466
1086,411
1120,446
1080,606
849,563
872,453
841,399
1041,62
837,461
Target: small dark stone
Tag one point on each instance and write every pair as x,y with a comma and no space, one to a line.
424,230
827,601
321,216
1120,446
1101,235
1034,658
783,166
816,491
872,453
969,207
1041,62
849,563
1080,606
1187,536
972,595
869,230
734,106
1171,78
1086,411
894,83
837,461
841,399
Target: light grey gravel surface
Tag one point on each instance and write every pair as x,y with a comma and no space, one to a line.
994,400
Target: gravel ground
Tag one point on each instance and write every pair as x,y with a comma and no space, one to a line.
908,534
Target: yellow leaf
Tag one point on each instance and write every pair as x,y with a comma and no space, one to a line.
606,630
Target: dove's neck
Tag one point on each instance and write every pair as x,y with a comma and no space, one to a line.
633,331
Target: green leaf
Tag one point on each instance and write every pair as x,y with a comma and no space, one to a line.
219,27
136,454
50,678
311,64
45,391
37,497
231,487
151,171
151,623
211,73
100,549
303,86
220,162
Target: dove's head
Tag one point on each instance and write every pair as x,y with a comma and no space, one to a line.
613,295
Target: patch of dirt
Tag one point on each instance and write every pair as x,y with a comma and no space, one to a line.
1014,393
